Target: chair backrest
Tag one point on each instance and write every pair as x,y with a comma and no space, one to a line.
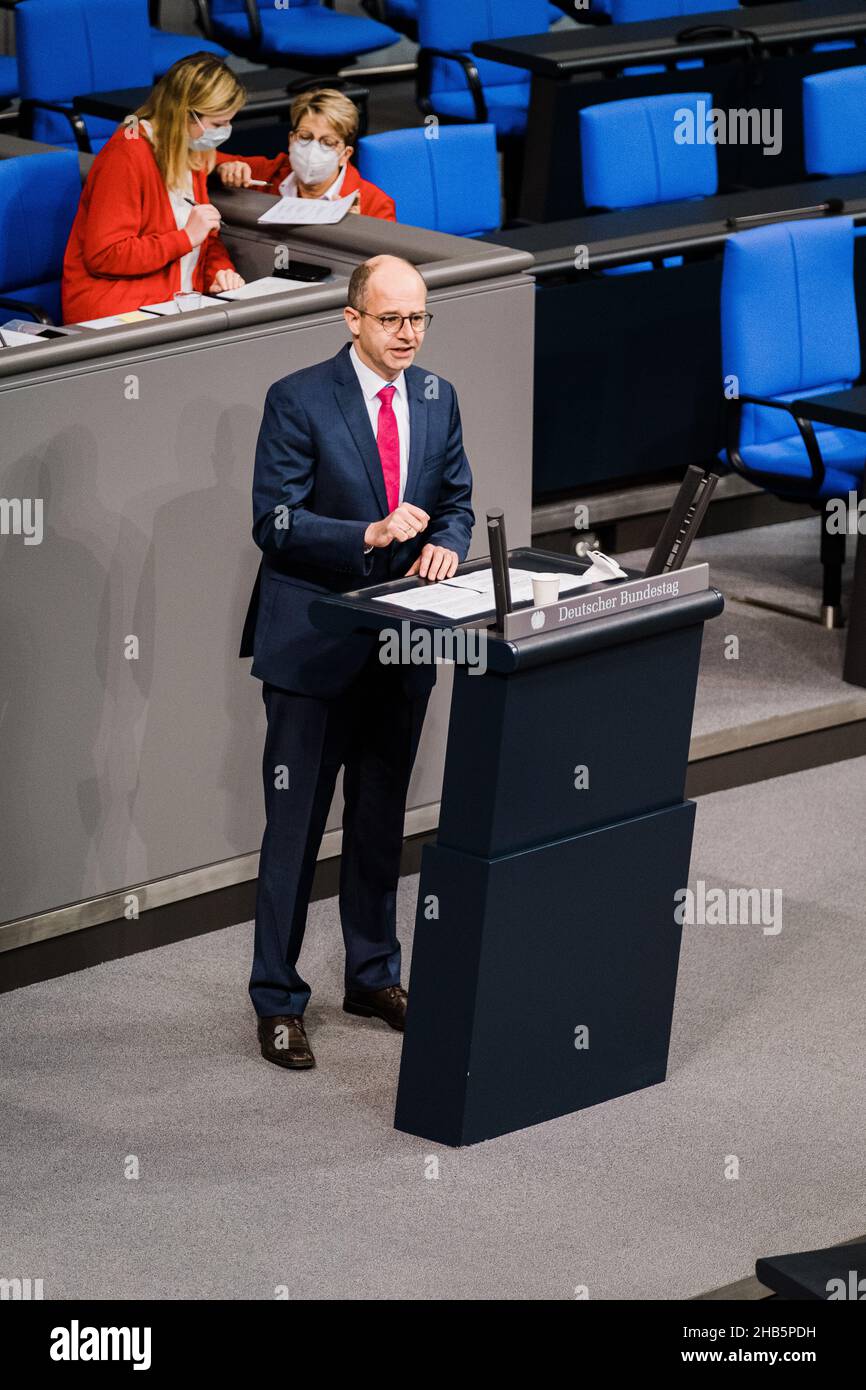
239,6
632,11
450,184
458,25
69,47
834,121
647,150
789,315
39,196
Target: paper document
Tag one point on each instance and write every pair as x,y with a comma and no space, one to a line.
471,595
269,284
446,600
13,339
309,212
133,316
168,306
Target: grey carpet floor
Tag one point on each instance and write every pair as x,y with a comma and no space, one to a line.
251,1178
784,665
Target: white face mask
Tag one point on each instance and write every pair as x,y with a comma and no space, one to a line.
209,139
313,163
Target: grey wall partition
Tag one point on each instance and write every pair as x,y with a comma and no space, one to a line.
130,733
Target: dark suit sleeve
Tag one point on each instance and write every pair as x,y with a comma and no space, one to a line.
453,518
283,481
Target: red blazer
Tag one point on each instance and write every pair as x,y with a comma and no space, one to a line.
374,203
124,249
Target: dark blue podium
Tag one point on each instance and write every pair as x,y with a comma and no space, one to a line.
545,953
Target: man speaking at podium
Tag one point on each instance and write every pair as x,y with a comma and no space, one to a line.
360,477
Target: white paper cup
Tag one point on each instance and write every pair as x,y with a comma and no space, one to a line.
545,589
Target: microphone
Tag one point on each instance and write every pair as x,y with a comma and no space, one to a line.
499,565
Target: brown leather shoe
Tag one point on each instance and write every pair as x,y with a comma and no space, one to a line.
284,1042
388,1004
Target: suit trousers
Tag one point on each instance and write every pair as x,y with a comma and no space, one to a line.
371,730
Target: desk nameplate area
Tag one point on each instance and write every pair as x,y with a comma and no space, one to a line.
605,601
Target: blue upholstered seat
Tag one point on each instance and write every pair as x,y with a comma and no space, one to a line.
631,154
634,11
70,47
302,30
449,184
630,157
39,196
8,78
168,49
455,28
789,329
834,121
406,11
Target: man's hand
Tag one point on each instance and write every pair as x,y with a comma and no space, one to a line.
435,562
235,174
403,524
226,280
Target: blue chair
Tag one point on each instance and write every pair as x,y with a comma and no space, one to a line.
307,32
455,85
403,14
834,121
630,154
633,11
8,79
449,184
789,329
168,48
630,157
39,196
70,47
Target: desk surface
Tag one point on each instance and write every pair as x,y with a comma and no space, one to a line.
264,87
844,409
613,237
564,52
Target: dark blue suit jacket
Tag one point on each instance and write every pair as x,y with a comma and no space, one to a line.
317,486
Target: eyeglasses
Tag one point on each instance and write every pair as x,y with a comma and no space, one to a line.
393,323
330,142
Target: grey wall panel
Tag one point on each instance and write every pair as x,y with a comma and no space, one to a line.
119,771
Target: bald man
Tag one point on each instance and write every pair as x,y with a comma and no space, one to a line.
360,477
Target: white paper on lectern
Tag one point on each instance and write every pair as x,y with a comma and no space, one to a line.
471,595
445,600
308,212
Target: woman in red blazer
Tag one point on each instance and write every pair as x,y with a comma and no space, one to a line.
324,128
144,227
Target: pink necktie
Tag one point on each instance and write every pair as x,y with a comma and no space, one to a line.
388,441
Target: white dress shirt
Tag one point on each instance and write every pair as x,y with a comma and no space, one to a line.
182,201
371,384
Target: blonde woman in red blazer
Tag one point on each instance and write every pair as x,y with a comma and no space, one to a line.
316,165
144,227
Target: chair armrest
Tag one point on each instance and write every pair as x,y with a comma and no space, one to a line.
470,72
783,480
30,105
203,19
254,20
24,306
